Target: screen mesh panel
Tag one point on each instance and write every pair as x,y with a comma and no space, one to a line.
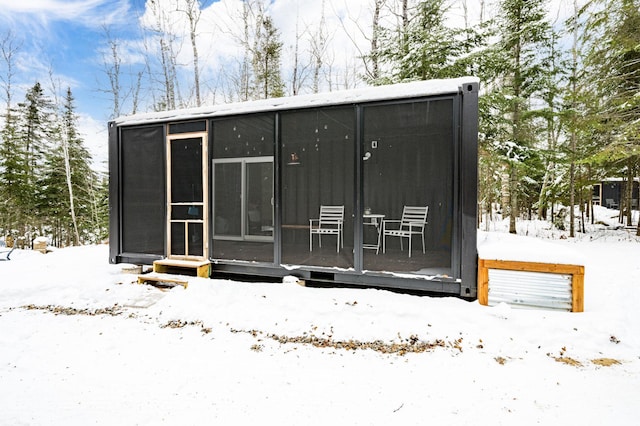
143,190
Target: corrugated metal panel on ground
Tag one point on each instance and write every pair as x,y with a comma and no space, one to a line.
530,289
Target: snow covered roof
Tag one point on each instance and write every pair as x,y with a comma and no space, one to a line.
368,94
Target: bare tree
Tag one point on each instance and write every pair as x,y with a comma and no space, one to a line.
63,124
135,100
112,64
370,60
241,78
166,40
318,46
8,48
299,72
245,70
193,12
375,38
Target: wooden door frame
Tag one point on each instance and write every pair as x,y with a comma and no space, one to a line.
205,195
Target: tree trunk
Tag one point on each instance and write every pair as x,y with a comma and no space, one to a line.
513,198
375,34
629,192
67,169
193,13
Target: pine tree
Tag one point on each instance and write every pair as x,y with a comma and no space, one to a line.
552,68
80,176
612,62
12,171
67,199
523,32
33,132
52,204
266,60
424,46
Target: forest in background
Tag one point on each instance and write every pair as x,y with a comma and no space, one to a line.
559,101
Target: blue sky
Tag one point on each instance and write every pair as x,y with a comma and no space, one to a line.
65,37
59,41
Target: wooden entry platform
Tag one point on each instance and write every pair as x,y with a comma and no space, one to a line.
168,266
176,271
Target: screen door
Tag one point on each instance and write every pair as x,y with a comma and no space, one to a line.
186,195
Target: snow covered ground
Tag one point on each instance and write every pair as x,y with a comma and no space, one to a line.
81,344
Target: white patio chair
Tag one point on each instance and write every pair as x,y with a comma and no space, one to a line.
413,222
330,222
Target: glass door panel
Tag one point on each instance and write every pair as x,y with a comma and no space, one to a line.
243,198
227,200
243,209
259,200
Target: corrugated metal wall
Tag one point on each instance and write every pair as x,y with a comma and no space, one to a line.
530,289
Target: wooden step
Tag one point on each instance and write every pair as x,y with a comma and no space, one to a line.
167,279
201,267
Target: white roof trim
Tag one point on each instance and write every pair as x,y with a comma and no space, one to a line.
368,94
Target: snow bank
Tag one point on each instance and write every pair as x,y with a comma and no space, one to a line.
505,246
82,343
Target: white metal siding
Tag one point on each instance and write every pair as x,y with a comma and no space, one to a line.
541,290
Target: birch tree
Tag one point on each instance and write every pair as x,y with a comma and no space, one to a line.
300,69
193,12
318,44
10,162
161,28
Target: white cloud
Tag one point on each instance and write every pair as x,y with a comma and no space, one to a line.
95,135
44,12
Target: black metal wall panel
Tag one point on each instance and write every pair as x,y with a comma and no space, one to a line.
468,187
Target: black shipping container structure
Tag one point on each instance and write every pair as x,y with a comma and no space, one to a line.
611,192
239,184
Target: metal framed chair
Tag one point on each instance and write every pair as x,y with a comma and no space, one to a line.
413,222
330,222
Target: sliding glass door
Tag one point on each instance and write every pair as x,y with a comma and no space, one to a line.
243,199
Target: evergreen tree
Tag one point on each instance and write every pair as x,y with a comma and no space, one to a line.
33,133
266,60
12,172
551,112
424,46
52,205
10,163
66,199
523,32
612,63
80,176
